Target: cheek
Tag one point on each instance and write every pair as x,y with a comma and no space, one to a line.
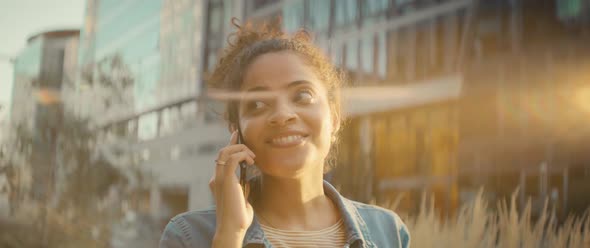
252,128
321,122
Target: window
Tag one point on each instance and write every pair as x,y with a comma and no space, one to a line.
351,55
211,60
374,8
367,54
381,53
215,18
319,14
147,126
345,12
337,55
214,40
422,50
293,16
405,6
262,3
408,52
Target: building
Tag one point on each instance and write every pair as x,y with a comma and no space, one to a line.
110,32
161,124
422,60
379,43
4,185
39,76
521,122
395,144
472,71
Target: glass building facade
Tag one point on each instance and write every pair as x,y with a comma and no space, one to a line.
164,45
129,30
40,71
405,149
26,71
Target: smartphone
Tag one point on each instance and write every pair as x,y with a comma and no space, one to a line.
242,167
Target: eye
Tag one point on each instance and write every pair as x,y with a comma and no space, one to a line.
255,105
304,96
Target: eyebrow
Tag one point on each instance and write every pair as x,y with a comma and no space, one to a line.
290,85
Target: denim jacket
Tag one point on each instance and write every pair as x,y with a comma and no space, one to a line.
366,226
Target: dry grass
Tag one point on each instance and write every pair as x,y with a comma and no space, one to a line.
36,226
477,225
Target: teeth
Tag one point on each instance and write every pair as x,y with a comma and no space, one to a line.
288,139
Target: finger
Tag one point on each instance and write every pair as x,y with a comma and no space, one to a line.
225,152
234,160
211,182
212,185
228,190
234,138
231,192
234,141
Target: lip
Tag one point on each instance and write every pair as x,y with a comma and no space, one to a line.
287,134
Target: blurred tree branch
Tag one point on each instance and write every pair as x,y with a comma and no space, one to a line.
86,175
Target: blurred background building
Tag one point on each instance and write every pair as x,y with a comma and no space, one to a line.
413,101
39,77
445,96
430,109
524,113
402,59
4,186
164,129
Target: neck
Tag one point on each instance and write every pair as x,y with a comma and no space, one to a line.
295,203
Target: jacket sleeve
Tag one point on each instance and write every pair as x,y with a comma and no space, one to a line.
404,233
172,237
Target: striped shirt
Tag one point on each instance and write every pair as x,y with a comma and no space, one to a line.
333,236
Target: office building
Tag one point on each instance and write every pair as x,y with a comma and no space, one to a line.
40,72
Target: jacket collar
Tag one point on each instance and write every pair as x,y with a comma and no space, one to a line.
356,228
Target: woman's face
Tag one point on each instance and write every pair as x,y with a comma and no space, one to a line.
285,117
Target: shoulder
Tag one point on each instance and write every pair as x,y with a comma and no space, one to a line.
383,222
189,229
376,212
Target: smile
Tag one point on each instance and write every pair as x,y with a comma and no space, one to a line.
287,141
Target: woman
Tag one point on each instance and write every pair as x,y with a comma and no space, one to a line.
288,114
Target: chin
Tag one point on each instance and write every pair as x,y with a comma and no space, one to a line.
287,168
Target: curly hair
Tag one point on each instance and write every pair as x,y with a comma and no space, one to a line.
250,42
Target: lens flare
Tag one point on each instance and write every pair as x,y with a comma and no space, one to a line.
583,98
48,96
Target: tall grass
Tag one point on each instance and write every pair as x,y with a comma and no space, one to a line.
478,225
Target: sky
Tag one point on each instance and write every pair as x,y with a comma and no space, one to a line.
19,19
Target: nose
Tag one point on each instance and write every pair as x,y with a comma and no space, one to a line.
283,114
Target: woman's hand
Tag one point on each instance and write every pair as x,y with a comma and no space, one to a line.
233,212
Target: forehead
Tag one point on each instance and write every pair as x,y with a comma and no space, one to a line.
277,69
